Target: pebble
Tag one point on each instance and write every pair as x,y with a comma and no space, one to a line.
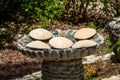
93,58
107,56
33,76
36,73
112,78
90,59
105,79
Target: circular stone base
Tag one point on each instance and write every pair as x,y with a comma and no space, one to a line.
63,70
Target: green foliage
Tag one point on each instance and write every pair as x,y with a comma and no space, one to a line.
118,49
40,10
118,46
89,72
53,8
43,10
102,1
111,7
29,29
91,25
78,9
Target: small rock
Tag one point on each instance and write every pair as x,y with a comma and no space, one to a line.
27,76
107,56
105,79
38,76
37,73
84,43
118,75
90,59
38,45
30,78
60,42
40,34
114,78
84,33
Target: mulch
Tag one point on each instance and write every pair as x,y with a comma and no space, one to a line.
14,64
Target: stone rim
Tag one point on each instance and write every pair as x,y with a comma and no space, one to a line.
57,54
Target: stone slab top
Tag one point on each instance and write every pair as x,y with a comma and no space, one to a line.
40,34
84,33
58,53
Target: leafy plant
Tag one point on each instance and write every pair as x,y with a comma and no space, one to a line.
111,7
29,29
118,46
91,25
40,10
89,72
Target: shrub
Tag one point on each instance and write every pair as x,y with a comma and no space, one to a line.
33,9
111,7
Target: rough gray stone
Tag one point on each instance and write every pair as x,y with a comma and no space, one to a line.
114,33
62,70
114,78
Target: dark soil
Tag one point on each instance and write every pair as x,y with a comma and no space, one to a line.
14,64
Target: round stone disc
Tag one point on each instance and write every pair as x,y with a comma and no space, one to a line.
40,34
38,45
84,33
60,42
84,44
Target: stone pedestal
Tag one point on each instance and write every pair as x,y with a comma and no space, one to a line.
60,64
63,70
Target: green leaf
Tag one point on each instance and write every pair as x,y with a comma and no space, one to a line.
29,29
102,1
91,25
26,10
118,43
43,26
118,50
